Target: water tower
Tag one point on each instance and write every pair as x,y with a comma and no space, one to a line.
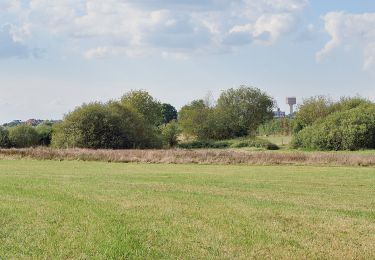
291,101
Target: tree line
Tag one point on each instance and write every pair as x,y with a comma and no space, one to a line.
139,121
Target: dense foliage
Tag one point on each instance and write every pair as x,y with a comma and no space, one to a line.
169,113
146,105
4,138
277,126
140,121
238,112
311,110
23,136
234,143
170,133
45,134
319,107
193,119
349,129
103,126
245,108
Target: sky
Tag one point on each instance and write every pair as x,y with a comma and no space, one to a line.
57,54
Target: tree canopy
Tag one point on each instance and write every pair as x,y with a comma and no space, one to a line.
102,126
145,104
169,113
23,136
238,112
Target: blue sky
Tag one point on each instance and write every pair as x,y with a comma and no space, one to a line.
55,55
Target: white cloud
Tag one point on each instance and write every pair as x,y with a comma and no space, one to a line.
267,29
11,46
169,27
350,30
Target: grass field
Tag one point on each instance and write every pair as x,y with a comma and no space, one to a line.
51,209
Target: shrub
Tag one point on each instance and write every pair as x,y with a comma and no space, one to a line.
245,108
23,136
311,110
277,126
45,134
238,113
193,119
169,113
352,129
105,126
146,105
257,143
170,133
253,142
204,145
4,138
318,107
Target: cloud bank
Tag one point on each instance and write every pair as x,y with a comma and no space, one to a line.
139,27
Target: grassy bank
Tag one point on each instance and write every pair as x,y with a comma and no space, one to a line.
200,156
51,209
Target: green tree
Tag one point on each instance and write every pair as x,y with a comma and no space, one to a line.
23,136
145,104
135,131
318,107
170,133
193,119
104,126
276,126
45,134
4,138
169,113
311,110
245,108
347,103
351,129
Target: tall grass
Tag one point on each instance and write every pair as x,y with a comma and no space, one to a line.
179,156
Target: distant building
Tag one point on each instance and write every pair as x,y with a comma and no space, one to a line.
34,122
31,122
13,123
291,101
278,113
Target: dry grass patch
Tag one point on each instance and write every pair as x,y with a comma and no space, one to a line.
196,156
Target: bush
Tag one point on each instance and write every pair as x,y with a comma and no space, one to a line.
45,134
244,108
204,145
105,126
170,133
352,129
311,110
4,138
169,113
277,126
150,108
253,142
23,136
193,119
238,113
257,143
319,107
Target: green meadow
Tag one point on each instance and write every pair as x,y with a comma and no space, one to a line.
97,210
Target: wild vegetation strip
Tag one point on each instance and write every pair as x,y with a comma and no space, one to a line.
96,210
180,156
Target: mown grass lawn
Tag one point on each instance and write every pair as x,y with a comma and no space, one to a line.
51,209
